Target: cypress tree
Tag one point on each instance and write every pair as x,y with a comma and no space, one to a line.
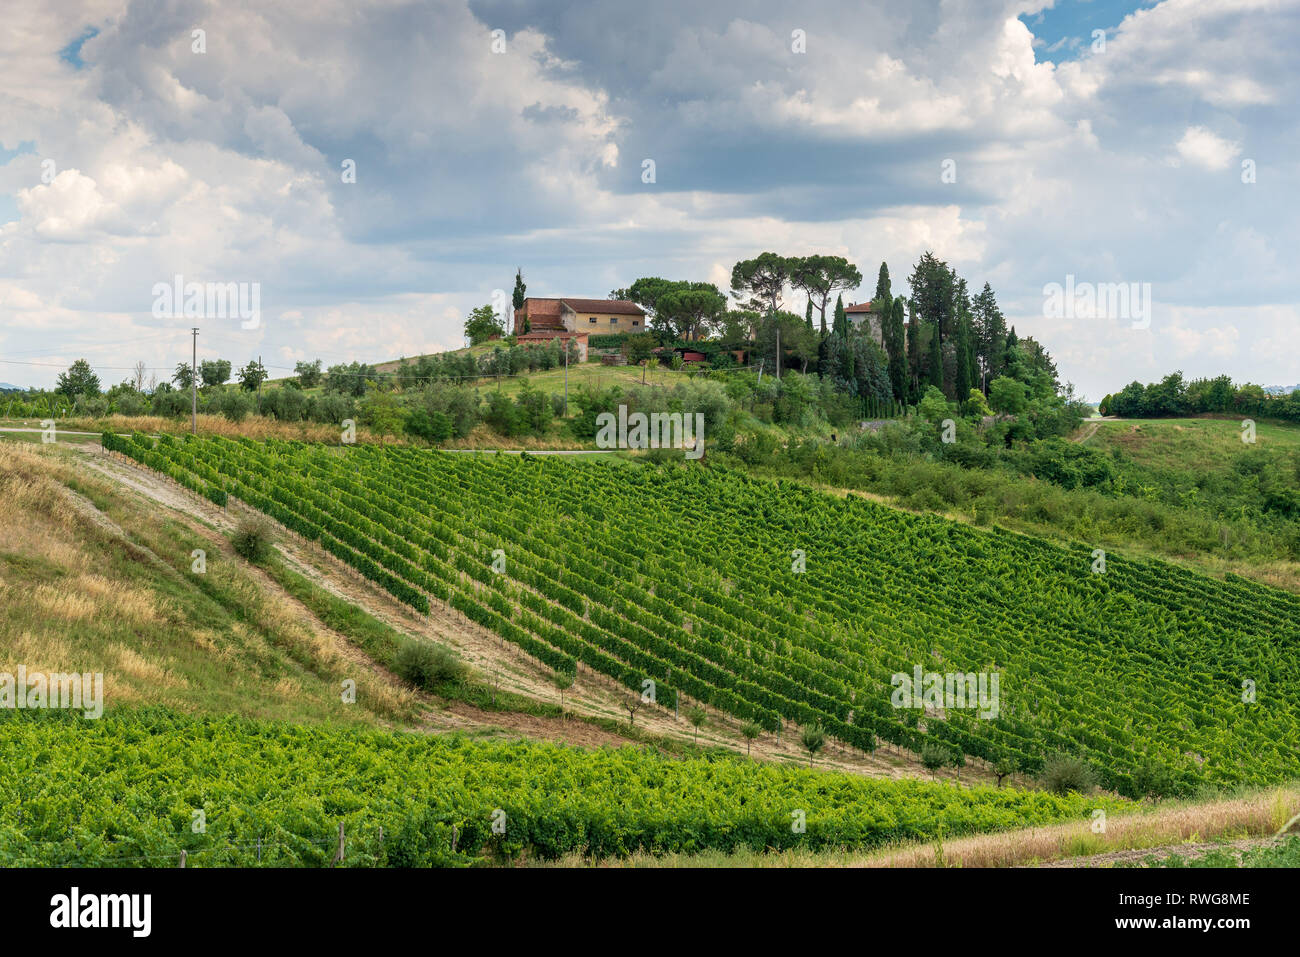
843,327
972,356
518,298
883,293
895,348
913,361
936,358
961,383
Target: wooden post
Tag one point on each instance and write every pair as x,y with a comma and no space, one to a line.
182,858
338,855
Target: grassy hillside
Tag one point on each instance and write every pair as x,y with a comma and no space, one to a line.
93,580
1192,446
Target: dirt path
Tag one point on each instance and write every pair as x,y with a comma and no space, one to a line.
1188,852
498,662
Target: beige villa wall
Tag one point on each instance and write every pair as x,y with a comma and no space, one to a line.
607,323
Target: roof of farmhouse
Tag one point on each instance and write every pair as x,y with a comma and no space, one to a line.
859,307
537,306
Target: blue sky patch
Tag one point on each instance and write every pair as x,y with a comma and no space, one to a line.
72,52
1065,31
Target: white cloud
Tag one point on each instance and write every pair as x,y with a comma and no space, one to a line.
1200,147
225,166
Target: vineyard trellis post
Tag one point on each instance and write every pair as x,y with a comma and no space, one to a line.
194,380
338,854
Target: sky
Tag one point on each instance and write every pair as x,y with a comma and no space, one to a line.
1006,136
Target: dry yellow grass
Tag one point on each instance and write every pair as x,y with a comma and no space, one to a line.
83,591
482,437
86,596
39,651
253,427
30,483
1255,815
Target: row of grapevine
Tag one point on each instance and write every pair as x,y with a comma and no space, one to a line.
275,794
781,604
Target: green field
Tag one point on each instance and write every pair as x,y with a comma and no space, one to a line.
684,577
585,373
127,790
1192,445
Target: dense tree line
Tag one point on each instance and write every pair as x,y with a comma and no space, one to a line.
1173,396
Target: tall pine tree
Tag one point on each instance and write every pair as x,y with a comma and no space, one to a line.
990,335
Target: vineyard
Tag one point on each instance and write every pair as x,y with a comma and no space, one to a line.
782,605
128,790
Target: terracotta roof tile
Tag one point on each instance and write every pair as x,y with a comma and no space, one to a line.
618,307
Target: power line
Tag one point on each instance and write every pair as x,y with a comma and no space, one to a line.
94,345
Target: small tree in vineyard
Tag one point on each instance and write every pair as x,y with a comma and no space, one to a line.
813,740
563,681
698,717
1003,768
934,756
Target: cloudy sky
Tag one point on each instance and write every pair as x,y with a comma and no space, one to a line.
128,158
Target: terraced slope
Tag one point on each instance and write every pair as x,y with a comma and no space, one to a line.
690,578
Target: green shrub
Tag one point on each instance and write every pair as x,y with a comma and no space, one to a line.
252,540
1063,773
935,756
427,665
435,426
1153,779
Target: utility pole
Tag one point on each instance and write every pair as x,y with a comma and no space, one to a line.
194,383
261,373
566,377
778,350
